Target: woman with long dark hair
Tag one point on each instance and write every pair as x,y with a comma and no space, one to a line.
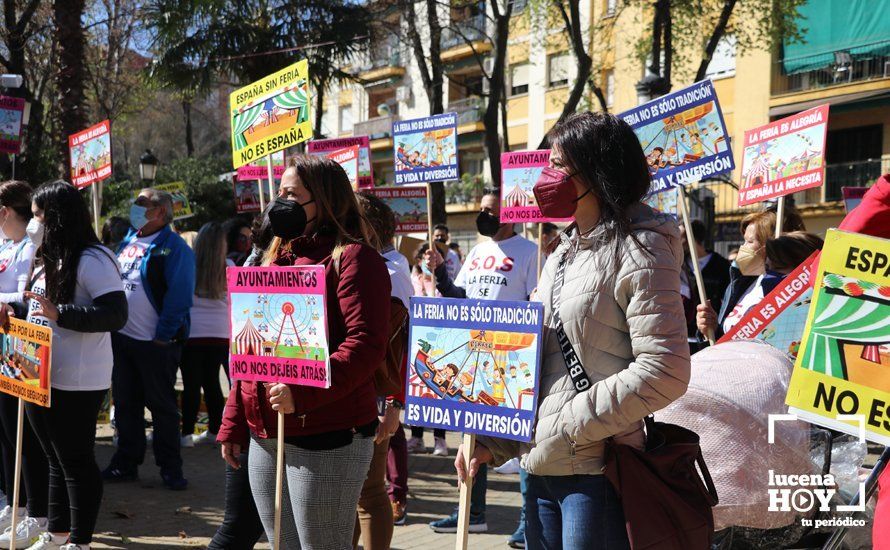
16,257
76,290
329,433
612,290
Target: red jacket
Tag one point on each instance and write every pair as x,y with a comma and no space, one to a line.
872,216
358,326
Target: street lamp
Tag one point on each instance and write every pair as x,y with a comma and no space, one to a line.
148,166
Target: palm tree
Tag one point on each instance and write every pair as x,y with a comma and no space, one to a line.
71,113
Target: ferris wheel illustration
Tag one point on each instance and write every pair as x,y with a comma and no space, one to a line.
453,374
287,321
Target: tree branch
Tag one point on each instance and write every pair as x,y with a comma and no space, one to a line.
716,35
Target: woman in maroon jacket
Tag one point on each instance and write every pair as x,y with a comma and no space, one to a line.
329,433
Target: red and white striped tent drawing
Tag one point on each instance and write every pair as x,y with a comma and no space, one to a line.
416,387
249,341
516,197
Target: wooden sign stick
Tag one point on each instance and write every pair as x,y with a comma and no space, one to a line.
463,503
780,216
690,241
259,187
16,489
270,173
540,246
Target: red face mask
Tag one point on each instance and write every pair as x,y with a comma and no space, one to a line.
556,194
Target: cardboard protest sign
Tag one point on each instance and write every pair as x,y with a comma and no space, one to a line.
784,157
780,317
247,195
519,173
473,366
12,113
259,171
425,149
347,158
278,325
843,367
664,202
365,169
25,359
90,155
683,136
409,206
853,196
270,114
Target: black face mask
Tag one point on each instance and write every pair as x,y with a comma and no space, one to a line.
487,225
288,218
443,240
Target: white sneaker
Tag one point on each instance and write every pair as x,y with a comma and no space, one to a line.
45,542
6,516
204,438
71,546
415,446
27,533
441,448
187,441
509,467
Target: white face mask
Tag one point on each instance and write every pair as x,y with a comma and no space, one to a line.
35,232
3,236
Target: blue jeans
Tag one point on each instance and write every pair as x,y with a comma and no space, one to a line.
573,512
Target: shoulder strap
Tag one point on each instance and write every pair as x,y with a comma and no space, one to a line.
573,364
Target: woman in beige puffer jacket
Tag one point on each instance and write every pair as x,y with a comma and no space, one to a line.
621,309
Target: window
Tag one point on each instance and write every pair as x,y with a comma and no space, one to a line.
611,7
328,124
558,70
610,88
519,79
345,119
518,6
518,146
723,61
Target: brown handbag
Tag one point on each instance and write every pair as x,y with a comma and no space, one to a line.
666,501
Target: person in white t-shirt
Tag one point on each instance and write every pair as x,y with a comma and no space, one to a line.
208,345
452,261
158,269
76,290
503,268
16,256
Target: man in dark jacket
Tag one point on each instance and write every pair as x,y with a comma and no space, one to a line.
158,269
714,270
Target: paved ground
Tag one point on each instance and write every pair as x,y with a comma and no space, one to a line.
145,515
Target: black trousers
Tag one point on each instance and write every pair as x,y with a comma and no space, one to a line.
67,434
200,370
417,431
241,527
35,471
144,375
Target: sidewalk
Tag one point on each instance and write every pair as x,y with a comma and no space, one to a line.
145,515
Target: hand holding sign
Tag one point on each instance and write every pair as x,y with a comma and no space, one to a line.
47,309
281,398
481,455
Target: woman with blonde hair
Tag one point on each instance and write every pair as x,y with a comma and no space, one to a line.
329,433
208,345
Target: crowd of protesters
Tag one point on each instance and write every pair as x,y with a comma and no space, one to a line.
132,310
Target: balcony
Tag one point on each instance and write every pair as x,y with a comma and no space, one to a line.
385,63
839,68
847,174
469,110
464,38
375,128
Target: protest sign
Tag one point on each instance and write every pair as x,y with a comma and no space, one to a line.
12,113
247,196
365,169
473,366
408,204
683,136
784,157
519,173
347,158
779,318
852,197
663,202
278,325
25,353
259,170
843,367
90,155
182,208
270,114
425,149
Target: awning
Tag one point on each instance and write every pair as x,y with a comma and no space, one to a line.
859,99
829,26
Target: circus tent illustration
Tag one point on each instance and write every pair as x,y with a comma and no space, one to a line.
250,342
851,311
516,197
758,173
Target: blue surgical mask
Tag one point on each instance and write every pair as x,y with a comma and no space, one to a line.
137,216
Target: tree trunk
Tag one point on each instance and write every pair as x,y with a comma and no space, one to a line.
72,116
719,31
187,115
319,112
496,89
